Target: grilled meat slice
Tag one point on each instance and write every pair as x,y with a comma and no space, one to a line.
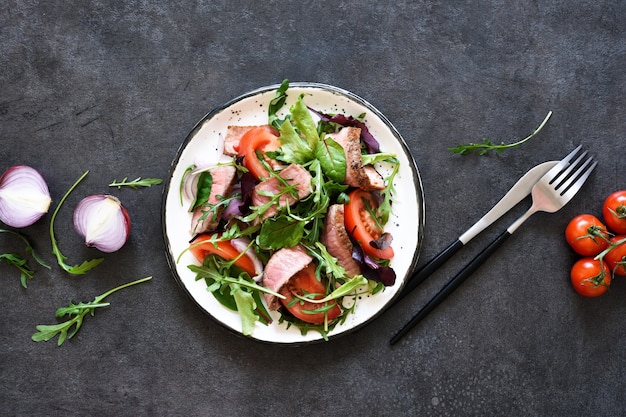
357,175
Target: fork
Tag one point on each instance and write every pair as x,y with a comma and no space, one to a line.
555,189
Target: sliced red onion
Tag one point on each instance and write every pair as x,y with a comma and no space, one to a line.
24,196
103,222
242,245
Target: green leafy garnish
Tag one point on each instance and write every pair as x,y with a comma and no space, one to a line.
370,159
76,269
304,122
276,104
280,232
136,183
486,145
294,149
238,293
16,260
26,272
77,312
344,289
332,157
203,192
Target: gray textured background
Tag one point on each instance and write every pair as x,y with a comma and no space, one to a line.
114,88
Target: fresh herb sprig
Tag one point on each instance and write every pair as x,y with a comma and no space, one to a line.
26,272
77,312
136,183
75,269
486,146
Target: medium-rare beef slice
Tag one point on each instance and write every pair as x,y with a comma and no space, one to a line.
281,266
336,239
206,218
357,175
296,176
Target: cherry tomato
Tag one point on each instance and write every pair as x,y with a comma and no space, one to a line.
616,258
222,249
587,235
614,211
306,283
362,226
590,277
260,139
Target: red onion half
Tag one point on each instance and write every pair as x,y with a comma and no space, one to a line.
103,222
24,196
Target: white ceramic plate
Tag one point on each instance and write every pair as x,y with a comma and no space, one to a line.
201,147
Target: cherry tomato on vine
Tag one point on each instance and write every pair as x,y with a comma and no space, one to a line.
614,211
362,226
305,283
587,235
616,258
590,277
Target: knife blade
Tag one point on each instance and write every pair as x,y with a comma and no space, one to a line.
517,193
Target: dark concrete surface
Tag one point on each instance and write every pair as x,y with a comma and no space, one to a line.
114,88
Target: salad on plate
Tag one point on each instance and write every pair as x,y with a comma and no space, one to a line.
289,221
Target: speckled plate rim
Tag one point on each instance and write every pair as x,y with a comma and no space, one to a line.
406,225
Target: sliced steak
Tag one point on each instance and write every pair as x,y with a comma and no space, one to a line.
282,265
337,241
296,176
357,175
204,219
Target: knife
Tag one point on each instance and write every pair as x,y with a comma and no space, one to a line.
517,193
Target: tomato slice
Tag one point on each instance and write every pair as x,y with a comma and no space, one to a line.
258,138
304,283
222,249
362,226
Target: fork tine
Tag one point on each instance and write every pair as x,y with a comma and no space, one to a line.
554,172
575,187
565,175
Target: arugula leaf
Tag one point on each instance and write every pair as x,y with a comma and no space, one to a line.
76,269
16,260
204,272
26,272
372,158
246,307
343,290
280,232
239,294
304,122
136,183
332,158
486,145
384,208
68,329
205,183
276,104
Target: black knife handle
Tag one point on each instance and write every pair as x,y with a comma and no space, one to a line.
452,285
424,272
